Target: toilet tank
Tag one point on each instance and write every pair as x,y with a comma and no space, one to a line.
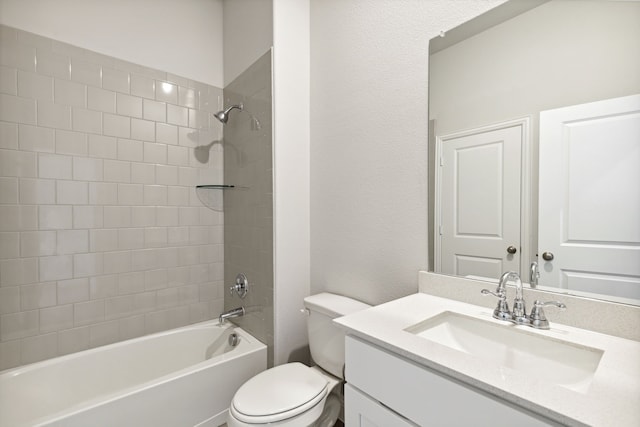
326,340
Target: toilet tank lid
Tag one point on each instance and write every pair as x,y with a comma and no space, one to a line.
333,305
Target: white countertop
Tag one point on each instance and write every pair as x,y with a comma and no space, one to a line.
612,399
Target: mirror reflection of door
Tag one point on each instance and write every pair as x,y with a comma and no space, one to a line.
589,198
479,192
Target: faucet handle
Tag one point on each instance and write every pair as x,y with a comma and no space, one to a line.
502,309
538,318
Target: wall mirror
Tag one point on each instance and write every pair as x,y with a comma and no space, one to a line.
534,146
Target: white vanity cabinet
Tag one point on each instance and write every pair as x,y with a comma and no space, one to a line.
386,390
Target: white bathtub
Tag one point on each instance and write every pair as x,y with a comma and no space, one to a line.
183,377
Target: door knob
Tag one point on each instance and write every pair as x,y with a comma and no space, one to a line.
512,249
547,256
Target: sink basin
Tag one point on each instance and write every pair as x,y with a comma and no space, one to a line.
547,358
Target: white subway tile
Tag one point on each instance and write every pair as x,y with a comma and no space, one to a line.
69,93
10,299
131,327
166,92
198,119
53,64
156,111
85,72
72,242
9,245
189,216
167,216
143,130
118,307
17,56
155,195
101,100
129,105
74,290
143,173
117,171
155,237
54,166
86,120
15,109
18,271
38,295
87,217
145,259
55,217
74,143
117,216
88,313
188,255
155,153
130,194
155,279
143,216
33,138
167,257
9,191
129,149
8,80
86,265
31,85
178,156
131,283
19,325
18,218
178,196
187,97
88,169
37,243
104,147
177,115
145,302
142,86
56,318
18,163
54,115
178,236
117,262
103,240
67,49
198,235
117,126
187,177
115,80
72,193
166,175
199,273
167,134
130,238
103,193
103,334
41,347
56,267
103,286
34,40
9,135
73,340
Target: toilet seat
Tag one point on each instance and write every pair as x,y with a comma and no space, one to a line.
279,393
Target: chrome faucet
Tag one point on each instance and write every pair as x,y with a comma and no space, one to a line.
234,312
519,315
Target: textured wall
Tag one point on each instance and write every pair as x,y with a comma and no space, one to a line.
248,228
369,80
102,235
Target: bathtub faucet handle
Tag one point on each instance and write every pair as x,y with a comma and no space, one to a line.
241,287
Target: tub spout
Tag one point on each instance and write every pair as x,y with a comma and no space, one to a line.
234,312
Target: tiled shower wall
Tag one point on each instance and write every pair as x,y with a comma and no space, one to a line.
102,234
248,165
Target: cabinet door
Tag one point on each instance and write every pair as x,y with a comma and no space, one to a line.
362,411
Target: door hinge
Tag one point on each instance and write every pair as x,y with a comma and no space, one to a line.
441,161
440,230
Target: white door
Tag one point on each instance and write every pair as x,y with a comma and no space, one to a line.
589,203
479,190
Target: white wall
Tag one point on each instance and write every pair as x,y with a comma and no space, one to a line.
248,34
369,65
180,37
291,176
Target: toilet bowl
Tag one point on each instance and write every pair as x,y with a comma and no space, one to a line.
294,394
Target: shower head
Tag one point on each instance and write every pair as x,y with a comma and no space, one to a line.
223,115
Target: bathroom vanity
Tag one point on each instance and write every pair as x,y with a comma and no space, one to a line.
428,360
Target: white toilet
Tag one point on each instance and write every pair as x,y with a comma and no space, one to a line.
295,394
